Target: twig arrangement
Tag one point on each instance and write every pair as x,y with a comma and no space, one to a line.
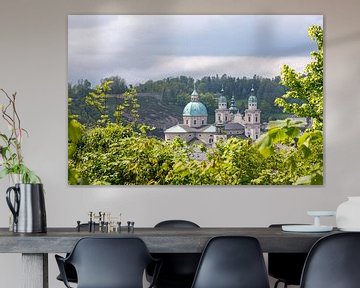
12,160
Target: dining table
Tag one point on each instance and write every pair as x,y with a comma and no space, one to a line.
35,247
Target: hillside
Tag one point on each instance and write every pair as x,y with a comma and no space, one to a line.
162,101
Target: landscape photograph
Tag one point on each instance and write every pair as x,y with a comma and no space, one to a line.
195,100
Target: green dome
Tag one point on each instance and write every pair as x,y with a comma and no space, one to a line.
195,109
233,108
222,99
252,99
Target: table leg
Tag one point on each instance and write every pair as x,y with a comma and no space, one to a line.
35,270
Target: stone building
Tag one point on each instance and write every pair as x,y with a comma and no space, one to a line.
194,127
229,122
237,124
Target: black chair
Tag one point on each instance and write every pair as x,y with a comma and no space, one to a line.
178,269
286,267
333,262
232,262
69,269
108,263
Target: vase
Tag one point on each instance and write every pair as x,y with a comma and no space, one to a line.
27,204
13,179
348,214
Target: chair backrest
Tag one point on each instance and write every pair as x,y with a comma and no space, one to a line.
176,224
178,269
110,262
333,262
286,267
232,262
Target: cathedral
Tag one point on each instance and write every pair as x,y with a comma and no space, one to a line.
229,122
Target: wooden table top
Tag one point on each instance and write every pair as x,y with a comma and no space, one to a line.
158,240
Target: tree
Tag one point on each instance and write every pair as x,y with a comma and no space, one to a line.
128,109
118,155
78,92
118,84
296,157
98,100
305,95
210,101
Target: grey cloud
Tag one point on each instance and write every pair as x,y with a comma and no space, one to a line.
99,45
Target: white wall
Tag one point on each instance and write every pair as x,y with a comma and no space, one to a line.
33,62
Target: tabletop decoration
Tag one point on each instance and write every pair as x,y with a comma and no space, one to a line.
315,227
348,214
25,197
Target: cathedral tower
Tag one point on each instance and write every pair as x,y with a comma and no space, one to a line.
222,114
252,118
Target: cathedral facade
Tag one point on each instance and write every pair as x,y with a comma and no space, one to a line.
194,127
229,122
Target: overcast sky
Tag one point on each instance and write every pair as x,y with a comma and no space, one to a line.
142,47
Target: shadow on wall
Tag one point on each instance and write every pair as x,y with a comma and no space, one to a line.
343,39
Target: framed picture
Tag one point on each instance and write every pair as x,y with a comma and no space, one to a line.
195,99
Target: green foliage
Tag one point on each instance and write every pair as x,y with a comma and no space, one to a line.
296,156
292,158
117,155
177,90
279,132
305,95
117,84
129,109
75,133
174,94
98,100
210,100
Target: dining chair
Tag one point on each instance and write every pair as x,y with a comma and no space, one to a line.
231,262
333,262
108,263
285,267
178,269
69,269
